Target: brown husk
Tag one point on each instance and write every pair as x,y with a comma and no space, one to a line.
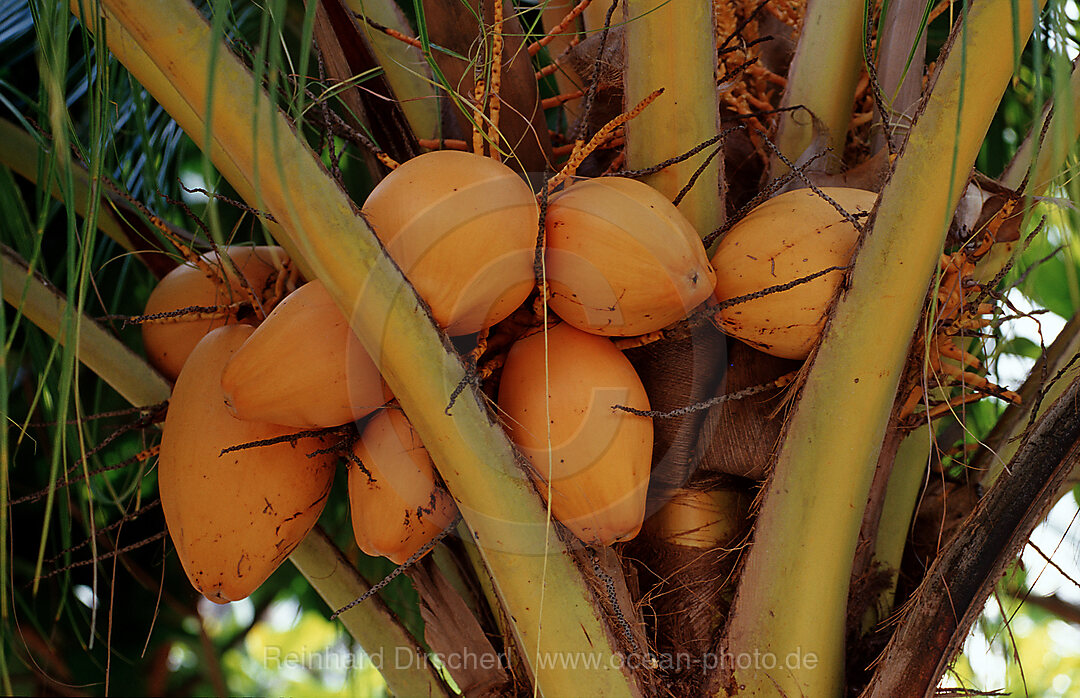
678,372
740,437
690,591
452,631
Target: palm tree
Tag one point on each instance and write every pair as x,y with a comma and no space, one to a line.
300,108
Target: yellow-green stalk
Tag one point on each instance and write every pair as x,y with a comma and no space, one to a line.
909,470
42,304
1050,155
404,67
1041,165
822,78
809,522
901,497
537,581
371,623
671,45
1059,357
20,151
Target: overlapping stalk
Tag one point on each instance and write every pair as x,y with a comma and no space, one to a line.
19,151
829,55
909,470
406,71
1040,164
371,623
533,571
1041,161
672,46
792,598
1004,440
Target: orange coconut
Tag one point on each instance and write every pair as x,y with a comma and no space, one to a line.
303,366
397,506
621,259
705,519
789,237
462,228
234,517
597,458
168,344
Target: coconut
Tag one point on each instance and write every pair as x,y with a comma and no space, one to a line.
789,237
397,506
303,366
233,518
591,460
621,259
463,229
168,344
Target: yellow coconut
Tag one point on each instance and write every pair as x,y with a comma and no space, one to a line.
621,259
303,366
789,237
462,228
705,519
593,460
233,518
397,506
169,343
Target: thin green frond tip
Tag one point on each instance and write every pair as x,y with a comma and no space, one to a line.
43,305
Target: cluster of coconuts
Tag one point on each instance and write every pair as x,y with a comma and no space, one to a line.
240,489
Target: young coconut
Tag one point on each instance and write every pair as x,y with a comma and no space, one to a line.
396,504
789,237
234,517
692,543
701,518
168,343
303,367
621,259
462,227
595,459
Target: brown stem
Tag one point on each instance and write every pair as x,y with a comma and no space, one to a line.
346,54
962,577
213,662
